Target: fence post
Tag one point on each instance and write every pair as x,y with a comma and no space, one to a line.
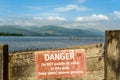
3,62
112,55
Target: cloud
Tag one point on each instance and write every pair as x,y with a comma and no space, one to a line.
94,17
117,14
50,18
33,21
72,7
97,21
56,18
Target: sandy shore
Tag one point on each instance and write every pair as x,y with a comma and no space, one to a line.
24,63
99,45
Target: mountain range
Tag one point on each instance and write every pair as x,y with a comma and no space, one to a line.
49,30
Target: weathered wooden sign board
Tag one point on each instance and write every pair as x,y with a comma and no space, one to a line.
1,62
60,63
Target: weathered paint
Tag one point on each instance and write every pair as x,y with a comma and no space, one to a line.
60,63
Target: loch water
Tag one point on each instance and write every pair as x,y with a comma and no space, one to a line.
17,43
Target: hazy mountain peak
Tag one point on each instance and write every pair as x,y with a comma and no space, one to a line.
50,30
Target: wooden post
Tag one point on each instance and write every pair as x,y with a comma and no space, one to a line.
3,62
112,55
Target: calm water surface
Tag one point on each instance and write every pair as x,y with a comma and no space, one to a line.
38,42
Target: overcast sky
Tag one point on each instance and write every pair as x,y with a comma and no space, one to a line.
98,14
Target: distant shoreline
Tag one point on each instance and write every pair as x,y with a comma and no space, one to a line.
10,34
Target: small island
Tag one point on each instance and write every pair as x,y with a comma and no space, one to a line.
9,34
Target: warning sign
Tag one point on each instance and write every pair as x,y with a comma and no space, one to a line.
60,63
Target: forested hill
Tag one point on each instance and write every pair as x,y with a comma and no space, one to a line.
9,34
49,30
